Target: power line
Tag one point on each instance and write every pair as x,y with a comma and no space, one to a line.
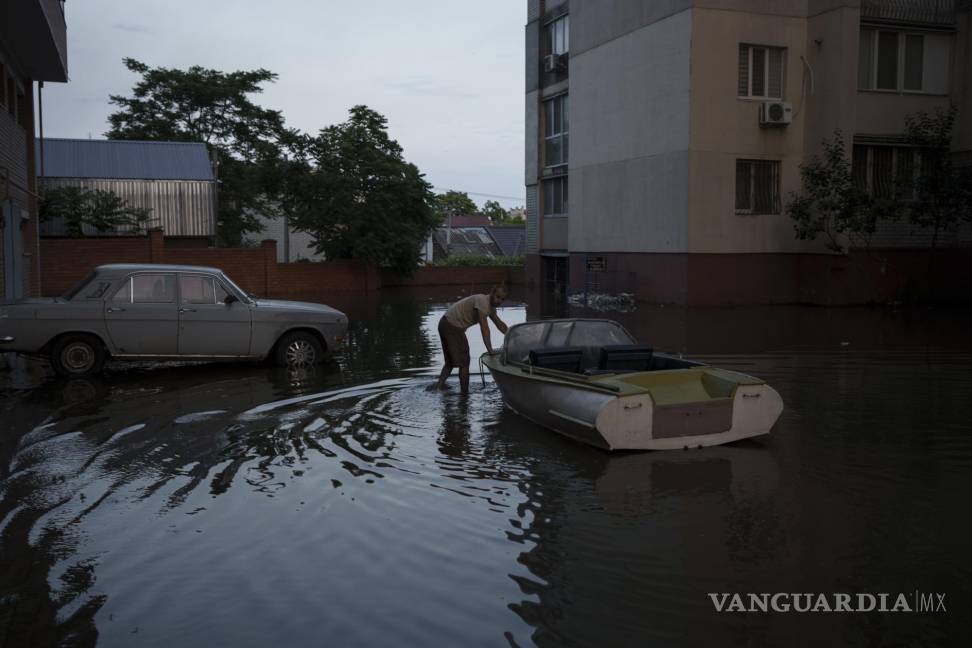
485,195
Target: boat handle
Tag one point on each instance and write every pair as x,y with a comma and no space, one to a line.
633,406
750,395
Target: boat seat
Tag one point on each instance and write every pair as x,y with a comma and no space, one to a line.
560,358
620,358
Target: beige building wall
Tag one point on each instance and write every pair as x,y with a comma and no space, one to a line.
725,128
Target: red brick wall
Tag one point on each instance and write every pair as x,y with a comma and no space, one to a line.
66,261
475,276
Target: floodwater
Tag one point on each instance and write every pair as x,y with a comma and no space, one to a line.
242,505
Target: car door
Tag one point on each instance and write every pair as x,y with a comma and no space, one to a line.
207,324
142,317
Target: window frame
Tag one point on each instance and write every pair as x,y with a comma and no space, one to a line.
776,167
550,35
767,49
901,60
564,193
563,135
869,184
130,283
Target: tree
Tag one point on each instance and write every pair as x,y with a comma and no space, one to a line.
454,203
351,189
495,212
204,105
103,210
942,192
830,204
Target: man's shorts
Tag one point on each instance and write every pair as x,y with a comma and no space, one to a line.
455,346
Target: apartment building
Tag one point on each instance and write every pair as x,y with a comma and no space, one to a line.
33,48
663,138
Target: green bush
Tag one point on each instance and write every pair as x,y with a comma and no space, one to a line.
465,260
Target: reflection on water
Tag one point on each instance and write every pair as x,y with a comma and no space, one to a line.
347,505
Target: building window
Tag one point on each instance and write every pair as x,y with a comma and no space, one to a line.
555,196
761,71
757,187
885,172
555,131
902,61
557,36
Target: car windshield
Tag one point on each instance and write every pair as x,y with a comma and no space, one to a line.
245,296
76,288
587,334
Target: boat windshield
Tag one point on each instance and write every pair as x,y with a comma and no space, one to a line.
550,334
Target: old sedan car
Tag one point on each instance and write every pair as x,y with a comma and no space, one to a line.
166,312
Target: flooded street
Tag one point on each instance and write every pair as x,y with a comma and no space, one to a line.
247,505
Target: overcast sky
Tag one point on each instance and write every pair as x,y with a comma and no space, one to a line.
448,74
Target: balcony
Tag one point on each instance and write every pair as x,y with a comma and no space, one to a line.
939,13
34,32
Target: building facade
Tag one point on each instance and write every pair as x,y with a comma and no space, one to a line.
33,48
687,123
173,180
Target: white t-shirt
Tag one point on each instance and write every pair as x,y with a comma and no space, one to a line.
465,312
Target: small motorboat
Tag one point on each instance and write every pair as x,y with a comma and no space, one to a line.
590,380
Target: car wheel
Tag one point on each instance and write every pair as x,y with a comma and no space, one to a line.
299,349
78,355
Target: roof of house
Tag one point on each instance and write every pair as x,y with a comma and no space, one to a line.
510,238
468,240
124,159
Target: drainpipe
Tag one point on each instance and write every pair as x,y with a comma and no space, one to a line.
40,119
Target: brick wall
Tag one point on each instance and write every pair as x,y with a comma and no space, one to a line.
457,276
65,261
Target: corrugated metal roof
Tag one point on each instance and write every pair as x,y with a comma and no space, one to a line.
511,239
468,240
124,159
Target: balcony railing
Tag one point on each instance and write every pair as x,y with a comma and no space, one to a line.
930,12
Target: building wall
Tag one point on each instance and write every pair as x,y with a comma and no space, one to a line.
180,207
18,206
962,84
299,247
628,162
726,128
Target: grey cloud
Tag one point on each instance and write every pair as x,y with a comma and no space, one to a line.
133,27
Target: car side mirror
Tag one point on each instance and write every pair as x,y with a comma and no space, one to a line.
230,299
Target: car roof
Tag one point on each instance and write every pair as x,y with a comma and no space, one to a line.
122,268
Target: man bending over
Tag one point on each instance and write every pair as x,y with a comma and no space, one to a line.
452,331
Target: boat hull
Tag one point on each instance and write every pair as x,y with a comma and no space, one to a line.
590,412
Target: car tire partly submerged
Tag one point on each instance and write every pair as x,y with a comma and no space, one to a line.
78,355
299,349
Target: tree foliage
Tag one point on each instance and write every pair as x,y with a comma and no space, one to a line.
454,203
351,189
830,205
495,212
211,106
942,192
106,211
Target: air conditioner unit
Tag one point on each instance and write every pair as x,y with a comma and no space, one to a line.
551,62
775,113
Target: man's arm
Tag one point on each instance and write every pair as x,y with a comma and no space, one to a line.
500,324
484,327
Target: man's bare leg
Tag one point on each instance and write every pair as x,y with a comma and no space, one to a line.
464,379
446,370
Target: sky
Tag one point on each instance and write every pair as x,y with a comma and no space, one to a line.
447,74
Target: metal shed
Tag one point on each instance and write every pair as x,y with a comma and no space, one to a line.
174,179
